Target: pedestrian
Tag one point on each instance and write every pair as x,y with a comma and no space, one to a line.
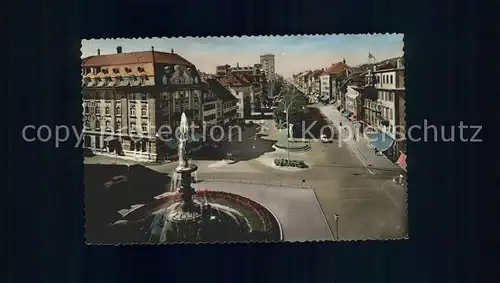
340,123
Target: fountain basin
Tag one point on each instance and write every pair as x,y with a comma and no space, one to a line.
186,169
227,218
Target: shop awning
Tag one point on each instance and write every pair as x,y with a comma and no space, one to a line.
402,161
380,141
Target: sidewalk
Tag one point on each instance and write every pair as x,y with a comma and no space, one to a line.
360,147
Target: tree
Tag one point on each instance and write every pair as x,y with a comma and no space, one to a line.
296,109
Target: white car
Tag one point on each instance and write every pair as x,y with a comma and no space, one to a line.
116,180
324,139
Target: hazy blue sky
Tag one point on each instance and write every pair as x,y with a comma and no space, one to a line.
293,53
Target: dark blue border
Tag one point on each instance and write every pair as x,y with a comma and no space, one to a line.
45,196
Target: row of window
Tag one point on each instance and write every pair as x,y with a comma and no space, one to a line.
112,95
181,94
208,107
116,70
387,113
386,79
118,126
371,105
386,95
118,111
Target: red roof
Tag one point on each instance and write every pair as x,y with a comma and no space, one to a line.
233,79
134,58
336,69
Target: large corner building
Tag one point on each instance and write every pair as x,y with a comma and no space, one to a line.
128,97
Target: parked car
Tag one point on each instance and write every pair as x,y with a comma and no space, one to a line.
325,139
116,180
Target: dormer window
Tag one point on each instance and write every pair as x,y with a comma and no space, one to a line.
140,69
128,70
104,71
116,70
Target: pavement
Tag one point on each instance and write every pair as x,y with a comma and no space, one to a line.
294,207
368,204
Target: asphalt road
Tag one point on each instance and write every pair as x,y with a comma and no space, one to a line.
368,206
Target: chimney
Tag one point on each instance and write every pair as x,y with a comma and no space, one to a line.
152,48
398,64
374,67
237,65
172,51
98,51
343,61
118,49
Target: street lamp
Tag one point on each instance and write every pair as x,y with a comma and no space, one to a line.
336,217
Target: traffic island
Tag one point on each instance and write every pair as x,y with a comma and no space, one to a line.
290,145
283,162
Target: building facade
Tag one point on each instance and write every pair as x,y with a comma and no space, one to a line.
329,81
129,97
268,66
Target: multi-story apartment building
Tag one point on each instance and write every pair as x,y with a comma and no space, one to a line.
351,101
268,66
219,105
328,81
242,89
227,108
383,106
128,97
314,83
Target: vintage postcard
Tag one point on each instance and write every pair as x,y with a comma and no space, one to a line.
244,139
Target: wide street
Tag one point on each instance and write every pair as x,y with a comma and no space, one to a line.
368,204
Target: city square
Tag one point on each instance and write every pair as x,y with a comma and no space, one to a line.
309,183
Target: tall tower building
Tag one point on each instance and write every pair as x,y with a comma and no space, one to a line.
267,62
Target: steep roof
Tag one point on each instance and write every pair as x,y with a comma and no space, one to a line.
336,69
220,91
134,58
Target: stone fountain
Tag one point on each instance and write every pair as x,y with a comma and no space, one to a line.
187,215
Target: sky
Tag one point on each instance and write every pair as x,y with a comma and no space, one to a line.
294,54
